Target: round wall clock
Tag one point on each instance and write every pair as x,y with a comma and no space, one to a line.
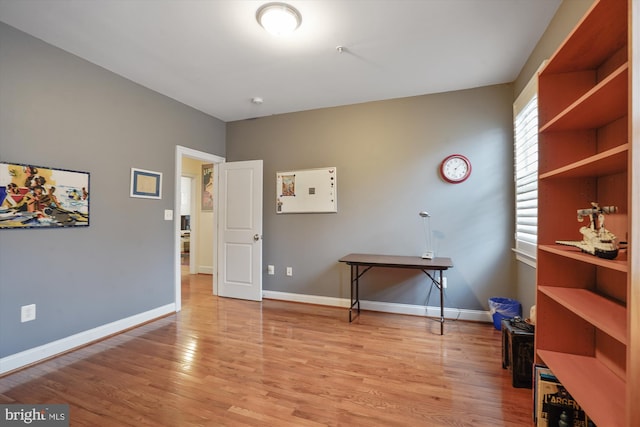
455,168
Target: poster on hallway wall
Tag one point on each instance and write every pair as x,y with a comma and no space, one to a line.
307,191
207,187
42,197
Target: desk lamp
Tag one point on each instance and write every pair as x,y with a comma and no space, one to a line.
426,224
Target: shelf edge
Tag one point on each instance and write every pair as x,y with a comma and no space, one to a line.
605,155
578,255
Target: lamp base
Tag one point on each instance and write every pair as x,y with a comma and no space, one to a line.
427,255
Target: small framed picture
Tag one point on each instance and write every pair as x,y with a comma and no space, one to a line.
146,184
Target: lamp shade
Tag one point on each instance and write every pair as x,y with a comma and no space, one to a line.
278,18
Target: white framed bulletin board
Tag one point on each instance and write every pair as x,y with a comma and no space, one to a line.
306,191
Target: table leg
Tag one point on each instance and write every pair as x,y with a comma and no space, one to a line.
351,284
441,305
355,290
355,287
358,287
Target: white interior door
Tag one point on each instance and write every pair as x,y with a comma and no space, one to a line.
240,230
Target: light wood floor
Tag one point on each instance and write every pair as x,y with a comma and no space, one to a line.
224,362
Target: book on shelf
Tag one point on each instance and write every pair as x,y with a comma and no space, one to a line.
553,405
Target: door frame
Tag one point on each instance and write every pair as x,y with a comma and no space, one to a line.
182,152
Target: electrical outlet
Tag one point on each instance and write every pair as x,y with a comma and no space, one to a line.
28,313
444,282
271,270
289,271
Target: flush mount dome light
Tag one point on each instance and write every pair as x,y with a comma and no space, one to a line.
278,18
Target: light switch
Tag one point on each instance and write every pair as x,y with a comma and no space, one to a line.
168,215
28,313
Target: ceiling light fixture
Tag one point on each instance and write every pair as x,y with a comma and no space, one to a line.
279,18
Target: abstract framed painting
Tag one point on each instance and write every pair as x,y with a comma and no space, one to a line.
42,197
207,187
146,184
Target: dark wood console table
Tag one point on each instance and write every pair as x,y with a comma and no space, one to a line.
361,263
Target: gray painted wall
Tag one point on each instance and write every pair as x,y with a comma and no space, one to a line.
387,155
60,111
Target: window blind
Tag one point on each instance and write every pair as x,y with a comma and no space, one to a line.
526,169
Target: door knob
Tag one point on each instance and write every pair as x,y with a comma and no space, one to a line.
256,237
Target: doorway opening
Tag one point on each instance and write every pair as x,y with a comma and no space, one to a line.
188,206
199,221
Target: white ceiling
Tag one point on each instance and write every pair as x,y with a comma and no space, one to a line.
213,55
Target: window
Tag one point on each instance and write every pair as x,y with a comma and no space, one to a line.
525,112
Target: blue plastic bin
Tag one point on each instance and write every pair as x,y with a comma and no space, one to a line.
503,308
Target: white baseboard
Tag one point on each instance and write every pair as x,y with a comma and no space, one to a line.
205,269
386,307
308,299
33,355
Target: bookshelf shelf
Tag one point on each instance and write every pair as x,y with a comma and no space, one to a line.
578,255
606,163
601,105
601,312
594,386
602,31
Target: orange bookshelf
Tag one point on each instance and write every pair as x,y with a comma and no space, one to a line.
588,325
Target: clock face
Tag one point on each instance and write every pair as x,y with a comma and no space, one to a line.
455,168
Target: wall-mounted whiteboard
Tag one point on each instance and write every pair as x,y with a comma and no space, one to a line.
309,190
